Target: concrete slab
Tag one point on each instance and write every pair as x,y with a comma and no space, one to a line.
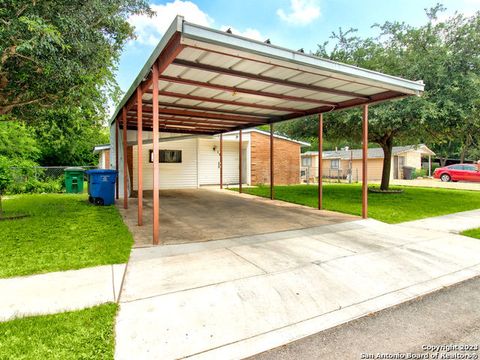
312,281
454,223
163,275
280,255
197,215
58,291
437,183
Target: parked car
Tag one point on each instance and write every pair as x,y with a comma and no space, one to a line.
458,172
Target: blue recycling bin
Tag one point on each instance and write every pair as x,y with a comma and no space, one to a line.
101,186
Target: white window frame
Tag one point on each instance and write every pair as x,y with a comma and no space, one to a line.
307,161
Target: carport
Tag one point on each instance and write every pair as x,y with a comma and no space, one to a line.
207,82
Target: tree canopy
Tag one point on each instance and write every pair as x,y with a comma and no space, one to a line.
444,54
60,54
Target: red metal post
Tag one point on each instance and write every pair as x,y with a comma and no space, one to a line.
240,161
364,162
125,160
272,172
320,161
116,158
156,166
221,161
140,156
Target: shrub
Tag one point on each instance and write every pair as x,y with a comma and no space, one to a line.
33,186
420,173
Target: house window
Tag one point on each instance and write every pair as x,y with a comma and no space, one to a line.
335,164
306,161
168,156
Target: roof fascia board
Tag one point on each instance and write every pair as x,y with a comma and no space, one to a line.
175,26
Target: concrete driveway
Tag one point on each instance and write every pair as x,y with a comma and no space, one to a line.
230,299
195,215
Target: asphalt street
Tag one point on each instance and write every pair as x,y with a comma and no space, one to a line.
448,316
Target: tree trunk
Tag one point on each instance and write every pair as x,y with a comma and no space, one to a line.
462,155
387,146
443,161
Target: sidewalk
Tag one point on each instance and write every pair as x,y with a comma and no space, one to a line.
252,294
436,183
59,291
452,223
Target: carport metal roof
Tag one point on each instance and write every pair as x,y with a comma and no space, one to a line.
212,82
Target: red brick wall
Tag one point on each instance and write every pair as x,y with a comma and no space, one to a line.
107,159
286,160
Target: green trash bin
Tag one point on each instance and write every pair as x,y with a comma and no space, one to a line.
74,180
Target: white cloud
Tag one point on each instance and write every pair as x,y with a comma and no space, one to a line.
301,12
248,32
149,30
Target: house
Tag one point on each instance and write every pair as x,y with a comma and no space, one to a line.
103,152
337,164
190,161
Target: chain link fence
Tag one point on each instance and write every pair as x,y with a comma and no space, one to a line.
309,175
42,173
38,179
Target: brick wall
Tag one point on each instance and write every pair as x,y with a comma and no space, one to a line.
286,160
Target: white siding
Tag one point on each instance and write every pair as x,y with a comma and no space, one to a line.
172,176
208,162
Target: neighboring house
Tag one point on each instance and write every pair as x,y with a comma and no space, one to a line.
338,163
190,161
103,152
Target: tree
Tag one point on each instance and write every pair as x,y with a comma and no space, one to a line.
18,141
68,137
60,54
5,179
443,54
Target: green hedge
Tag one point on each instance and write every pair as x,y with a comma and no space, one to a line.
33,186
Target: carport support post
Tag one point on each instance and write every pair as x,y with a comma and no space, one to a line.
240,161
125,161
116,158
320,161
156,199
140,155
272,175
221,161
364,162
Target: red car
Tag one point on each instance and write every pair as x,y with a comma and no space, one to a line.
458,172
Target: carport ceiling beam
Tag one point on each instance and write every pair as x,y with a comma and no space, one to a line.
266,79
192,125
229,102
179,131
196,121
201,114
220,111
239,90
387,95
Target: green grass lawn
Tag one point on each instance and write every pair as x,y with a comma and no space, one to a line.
475,233
83,334
414,203
62,232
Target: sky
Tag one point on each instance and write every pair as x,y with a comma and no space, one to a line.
293,24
